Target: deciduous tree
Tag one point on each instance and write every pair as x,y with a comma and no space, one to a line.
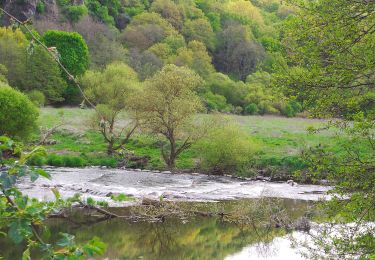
167,105
110,90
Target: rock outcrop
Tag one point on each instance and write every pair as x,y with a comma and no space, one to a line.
22,10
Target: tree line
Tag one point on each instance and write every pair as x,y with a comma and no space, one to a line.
234,46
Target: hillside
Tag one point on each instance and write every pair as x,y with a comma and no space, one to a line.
233,45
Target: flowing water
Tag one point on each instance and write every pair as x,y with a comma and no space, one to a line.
176,238
100,183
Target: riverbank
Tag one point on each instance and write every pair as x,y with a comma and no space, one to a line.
280,142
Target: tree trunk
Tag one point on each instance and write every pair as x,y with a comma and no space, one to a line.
172,154
110,148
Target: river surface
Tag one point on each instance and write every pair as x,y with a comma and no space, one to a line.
192,238
101,183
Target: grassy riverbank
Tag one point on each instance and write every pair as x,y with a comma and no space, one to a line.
280,141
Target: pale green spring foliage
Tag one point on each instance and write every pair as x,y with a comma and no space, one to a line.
226,148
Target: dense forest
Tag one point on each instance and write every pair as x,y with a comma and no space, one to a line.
235,46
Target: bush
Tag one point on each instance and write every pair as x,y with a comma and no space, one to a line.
297,107
55,160
227,149
36,160
238,110
216,102
40,7
266,107
73,161
291,108
76,12
18,114
251,109
65,161
37,97
288,111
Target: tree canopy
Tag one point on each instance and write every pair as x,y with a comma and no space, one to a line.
17,113
167,105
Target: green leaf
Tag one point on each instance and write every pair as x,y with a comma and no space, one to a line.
26,254
15,233
95,247
56,193
33,176
43,173
21,201
121,197
90,201
66,240
7,181
46,233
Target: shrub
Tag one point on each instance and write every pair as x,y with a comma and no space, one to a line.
40,7
64,160
216,102
291,108
226,149
36,160
37,97
266,107
76,12
18,114
288,111
251,109
238,110
297,107
55,160
73,161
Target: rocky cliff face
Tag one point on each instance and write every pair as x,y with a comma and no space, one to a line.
21,9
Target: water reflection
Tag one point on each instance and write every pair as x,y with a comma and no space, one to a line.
196,238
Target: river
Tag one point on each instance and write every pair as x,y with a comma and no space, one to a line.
191,238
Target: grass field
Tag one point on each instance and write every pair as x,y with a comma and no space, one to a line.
280,141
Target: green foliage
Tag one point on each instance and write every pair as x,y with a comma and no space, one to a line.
73,51
76,12
214,19
199,30
103,10
121,197
319,39
3,74
17,113
166,106
110,91
331,53
37,97
73,54
196,57
40,7
251,109
227,149
43,75
23,217
216,102
288,111
352,173
34,70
